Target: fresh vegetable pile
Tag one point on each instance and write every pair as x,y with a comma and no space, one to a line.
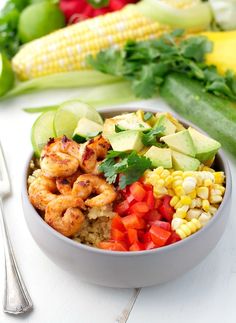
156,181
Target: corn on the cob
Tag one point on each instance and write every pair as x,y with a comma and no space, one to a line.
66,49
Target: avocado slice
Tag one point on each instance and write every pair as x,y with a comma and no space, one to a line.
126,140
86,128
184,162
159,156
128,121
169,127
206,147
181,142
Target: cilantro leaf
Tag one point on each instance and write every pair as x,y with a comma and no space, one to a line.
150,136
130,165
147,116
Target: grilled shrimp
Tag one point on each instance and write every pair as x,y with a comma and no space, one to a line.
92,151
60,157
87,184
64,214
42,191
64,185
100,145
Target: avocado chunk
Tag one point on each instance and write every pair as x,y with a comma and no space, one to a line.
128,121
206,147
184,162
86,128
169,127
181,142
159,156
126,140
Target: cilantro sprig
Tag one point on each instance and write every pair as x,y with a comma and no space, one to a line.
147,63
129,164
150,137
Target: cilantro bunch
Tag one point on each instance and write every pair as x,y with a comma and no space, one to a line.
129,164
147,63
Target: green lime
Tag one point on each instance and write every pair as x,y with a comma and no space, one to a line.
42,130
39,19
6,75
68,115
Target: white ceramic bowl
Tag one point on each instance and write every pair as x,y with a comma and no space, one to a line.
128,269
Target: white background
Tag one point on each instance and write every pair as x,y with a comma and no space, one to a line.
206,294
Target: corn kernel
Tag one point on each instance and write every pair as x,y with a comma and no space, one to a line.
214,191
198,202
174,200
189,184
177,183
177,173
171,192
179,191
178,205
205,205
203,192
193,214
215,199
186,229
159,170
197,223
181,233
168,181
165,174
176,223
204,218
207,182
208,169
193,194
180,214
212,210
186,200
219,177
188,174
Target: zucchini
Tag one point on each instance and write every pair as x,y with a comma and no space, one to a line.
215,115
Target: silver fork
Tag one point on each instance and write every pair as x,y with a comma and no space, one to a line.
16,297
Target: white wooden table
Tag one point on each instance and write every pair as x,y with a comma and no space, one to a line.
206,294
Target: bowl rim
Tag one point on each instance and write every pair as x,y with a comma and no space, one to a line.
226,199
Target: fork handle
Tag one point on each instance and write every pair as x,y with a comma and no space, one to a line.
16,297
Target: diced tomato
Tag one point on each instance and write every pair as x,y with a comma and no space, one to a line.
162,224
138,192
132,221
117,4
153,215
141,235
166,209
132,235
130,198
122,208
113,245
139,207
136,246
147,187
149,245
159,236
158,203
174,237
150,200
117,223
118,235
147,237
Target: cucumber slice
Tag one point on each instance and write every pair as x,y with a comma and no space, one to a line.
68,115
42,130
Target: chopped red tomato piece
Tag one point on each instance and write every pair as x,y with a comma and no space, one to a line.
174,237
122,208
118,235
130,198
162,224
159,236
137,191
117,223
166,209
132,221
149,245
136,246
100,11
132,235
158,203
112,245
139,207
147,187
153,216
150,200
147,237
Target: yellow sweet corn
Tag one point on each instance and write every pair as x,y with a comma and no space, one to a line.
66,49
223,54
188,228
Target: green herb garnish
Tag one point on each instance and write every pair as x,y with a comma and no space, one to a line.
151,136
119,128
130,165
147,116
147,63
